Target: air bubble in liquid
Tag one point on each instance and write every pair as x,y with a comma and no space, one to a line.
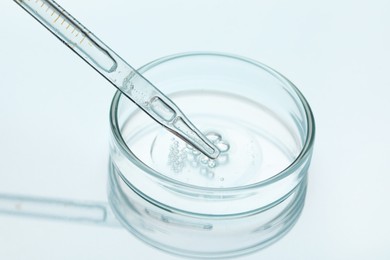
214,137
195,152
204,159
212,163
210,175
223,146
204,171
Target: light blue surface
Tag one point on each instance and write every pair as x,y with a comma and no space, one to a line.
54,132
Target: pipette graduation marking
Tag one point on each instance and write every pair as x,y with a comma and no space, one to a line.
117,71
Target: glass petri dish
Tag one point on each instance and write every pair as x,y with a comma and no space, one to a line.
176,199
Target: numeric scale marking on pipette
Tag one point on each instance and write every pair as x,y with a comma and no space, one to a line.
64,22
109,65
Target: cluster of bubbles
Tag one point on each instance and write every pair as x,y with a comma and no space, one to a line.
179,157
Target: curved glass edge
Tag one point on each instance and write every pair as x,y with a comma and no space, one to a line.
301,158
291,216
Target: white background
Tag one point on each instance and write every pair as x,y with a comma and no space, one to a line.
54,115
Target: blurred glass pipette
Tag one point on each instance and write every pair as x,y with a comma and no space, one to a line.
118,72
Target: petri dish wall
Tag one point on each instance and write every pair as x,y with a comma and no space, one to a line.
178,200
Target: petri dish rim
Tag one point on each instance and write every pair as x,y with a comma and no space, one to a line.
304,153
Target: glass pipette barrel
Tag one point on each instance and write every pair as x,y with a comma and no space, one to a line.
118,72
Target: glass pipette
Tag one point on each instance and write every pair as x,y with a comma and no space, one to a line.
118,72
